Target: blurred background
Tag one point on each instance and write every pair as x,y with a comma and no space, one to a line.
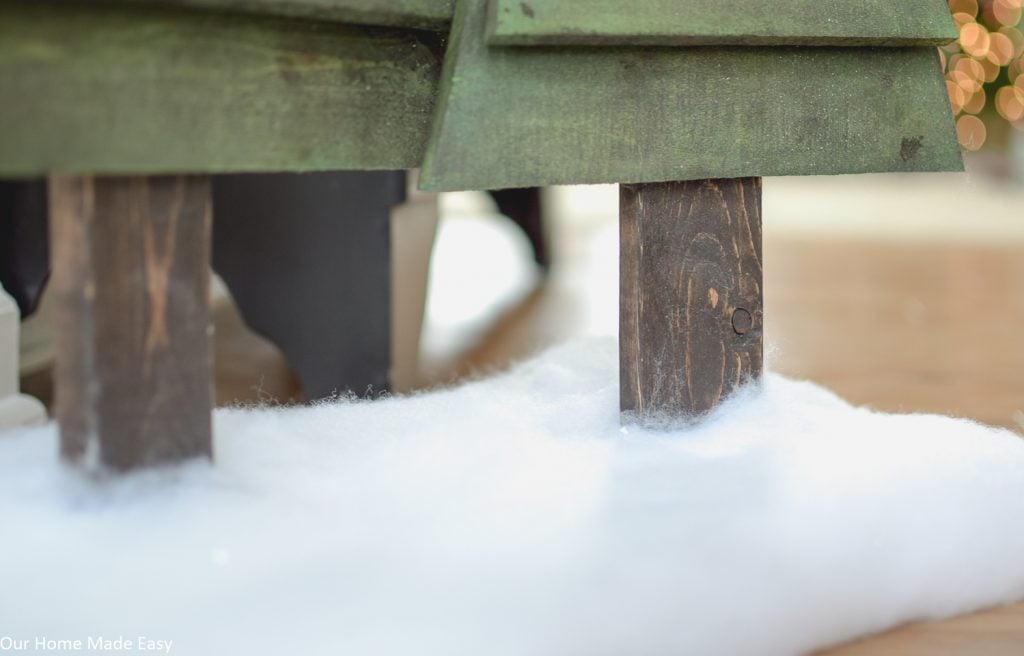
985,74
901,292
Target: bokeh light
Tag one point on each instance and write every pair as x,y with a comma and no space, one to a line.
972,131
985,64
1007,12
1010,103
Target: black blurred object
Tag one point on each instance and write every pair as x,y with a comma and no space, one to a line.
523,207
24,242
307,257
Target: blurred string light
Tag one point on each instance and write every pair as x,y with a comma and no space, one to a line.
985,64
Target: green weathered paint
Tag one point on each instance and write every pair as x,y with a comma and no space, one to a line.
117,89
721,22
427,14
516,117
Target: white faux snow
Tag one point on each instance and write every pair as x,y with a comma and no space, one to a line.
514,517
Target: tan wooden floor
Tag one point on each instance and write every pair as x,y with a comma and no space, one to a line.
931,327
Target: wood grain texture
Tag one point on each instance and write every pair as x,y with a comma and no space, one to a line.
122,89
523,117
690,294
424,14
714,22
131,284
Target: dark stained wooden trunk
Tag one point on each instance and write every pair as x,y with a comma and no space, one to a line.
131,279
690,326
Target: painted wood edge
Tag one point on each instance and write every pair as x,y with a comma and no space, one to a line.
325,12
436,185
103,170
428,179
498,33
583,39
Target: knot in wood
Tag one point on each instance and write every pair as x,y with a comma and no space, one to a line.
742,322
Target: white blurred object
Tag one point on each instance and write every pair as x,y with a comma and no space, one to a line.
481,267
413,228
16,409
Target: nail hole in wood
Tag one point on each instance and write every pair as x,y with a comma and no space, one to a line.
742,322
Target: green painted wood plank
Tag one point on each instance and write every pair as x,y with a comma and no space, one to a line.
721,22
517,117
116,89
425,14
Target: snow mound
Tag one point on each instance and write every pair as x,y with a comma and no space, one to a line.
515,516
